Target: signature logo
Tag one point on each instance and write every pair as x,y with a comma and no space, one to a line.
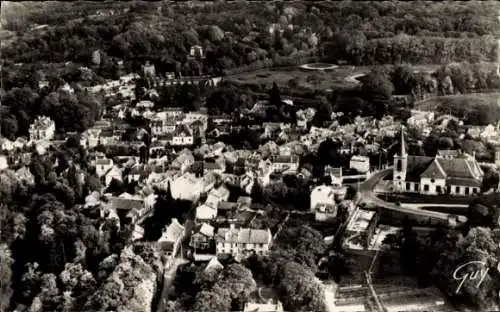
473,271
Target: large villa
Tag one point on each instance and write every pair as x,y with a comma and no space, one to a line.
450,172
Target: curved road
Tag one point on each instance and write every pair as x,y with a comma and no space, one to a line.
368,196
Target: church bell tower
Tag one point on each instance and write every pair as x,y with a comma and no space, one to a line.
400,165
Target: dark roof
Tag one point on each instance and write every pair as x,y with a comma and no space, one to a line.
284,159
417,166
434,171
224,205
211,166
457,167
125,204
464,182
448,153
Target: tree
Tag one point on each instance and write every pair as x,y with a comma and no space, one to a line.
274,95
9,127
299,289
239,282
215,299
302,244
378,89
6,291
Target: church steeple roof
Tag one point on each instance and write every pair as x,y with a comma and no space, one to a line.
403,144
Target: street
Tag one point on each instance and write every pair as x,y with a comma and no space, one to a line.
168,279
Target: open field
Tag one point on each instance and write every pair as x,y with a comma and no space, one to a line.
342,77
474,108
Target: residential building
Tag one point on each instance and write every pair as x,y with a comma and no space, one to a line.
102,165
184,161
243,241
189,187
162,126
325,212
461,175
196,51
263,307
215,167
182,136
172,237
43,128
448,154
206,212
322,195
3,162
177,112
360,163
420,119
114,173
286,164
202,237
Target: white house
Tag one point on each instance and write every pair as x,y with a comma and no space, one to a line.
43,128
360,163
196,51
3,162
102,165
206,212
183,136
113,173
242,242
322,195
172,237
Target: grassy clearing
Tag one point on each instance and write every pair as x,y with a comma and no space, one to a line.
309,79
474,108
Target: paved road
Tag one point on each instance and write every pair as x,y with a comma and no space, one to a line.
168,279
368,196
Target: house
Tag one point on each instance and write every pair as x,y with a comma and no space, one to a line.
325,212
189,187
475,131
3,162
215,167
243,241
286,164
196,51
145,104
133,207
114,173
448,154
202,236
138,173
162,126
322,195
171,238
335,174
183,136
216,195
176,112
184,161
149,70
263,307
43,128
206,212
360,163
420,119
427,175
102,165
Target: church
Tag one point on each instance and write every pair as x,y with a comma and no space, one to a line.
450,172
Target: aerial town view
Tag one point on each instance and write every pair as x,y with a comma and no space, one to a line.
256,156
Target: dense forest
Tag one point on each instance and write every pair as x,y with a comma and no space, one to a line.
240,33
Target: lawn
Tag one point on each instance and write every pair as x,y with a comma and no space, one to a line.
303,78
316,80
474,108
